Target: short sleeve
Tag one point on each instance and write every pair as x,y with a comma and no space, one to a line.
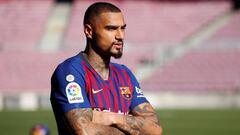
137,94
68,88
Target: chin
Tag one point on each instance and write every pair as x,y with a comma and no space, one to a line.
117,56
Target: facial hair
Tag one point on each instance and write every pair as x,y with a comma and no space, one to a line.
119,54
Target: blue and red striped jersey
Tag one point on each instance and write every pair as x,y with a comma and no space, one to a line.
75,84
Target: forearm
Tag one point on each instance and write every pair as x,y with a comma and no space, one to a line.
134,125
138,125
97,129
80,123
143,120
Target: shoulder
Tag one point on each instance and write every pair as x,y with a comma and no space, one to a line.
75,62
72,64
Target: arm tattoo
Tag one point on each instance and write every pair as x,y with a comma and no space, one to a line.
78,119
146,110
80,122
143,122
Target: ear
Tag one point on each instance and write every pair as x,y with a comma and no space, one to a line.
88,31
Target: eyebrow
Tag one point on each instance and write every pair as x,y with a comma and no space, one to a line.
115,26
124,26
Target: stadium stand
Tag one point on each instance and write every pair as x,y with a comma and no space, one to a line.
168,23
198,70
74,36
153,29
23,67
28,71
22,23
231,31
212,67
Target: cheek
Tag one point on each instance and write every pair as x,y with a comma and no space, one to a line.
106,39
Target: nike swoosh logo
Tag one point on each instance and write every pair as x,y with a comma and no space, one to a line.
96,91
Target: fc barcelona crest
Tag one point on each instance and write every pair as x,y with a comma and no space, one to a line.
125,92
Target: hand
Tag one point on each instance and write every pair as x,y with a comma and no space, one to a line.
104,118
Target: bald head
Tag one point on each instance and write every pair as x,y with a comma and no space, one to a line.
96,9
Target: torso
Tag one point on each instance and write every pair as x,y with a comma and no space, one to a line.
113,94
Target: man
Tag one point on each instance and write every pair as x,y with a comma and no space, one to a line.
90,95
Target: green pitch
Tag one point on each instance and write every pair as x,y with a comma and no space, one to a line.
174,122
200,122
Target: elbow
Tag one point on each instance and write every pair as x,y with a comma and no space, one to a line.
159,127
156,130
160,130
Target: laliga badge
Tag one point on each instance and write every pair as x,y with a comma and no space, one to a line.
70,78
74,93
125,92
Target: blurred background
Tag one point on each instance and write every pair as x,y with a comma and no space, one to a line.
185,54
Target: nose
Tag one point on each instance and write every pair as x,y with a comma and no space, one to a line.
120,34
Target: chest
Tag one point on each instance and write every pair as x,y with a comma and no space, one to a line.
114,94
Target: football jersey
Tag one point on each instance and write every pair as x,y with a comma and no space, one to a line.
75,84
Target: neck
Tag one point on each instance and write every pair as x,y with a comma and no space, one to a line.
98,62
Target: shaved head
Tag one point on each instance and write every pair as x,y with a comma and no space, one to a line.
96,9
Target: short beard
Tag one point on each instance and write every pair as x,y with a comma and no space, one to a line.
118,55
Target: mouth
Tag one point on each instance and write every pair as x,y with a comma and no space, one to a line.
118,45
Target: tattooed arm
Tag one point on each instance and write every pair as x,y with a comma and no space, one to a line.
142,121
80,123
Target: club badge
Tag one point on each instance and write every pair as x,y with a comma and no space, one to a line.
125,92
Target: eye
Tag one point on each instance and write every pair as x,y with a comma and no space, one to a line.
111,28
